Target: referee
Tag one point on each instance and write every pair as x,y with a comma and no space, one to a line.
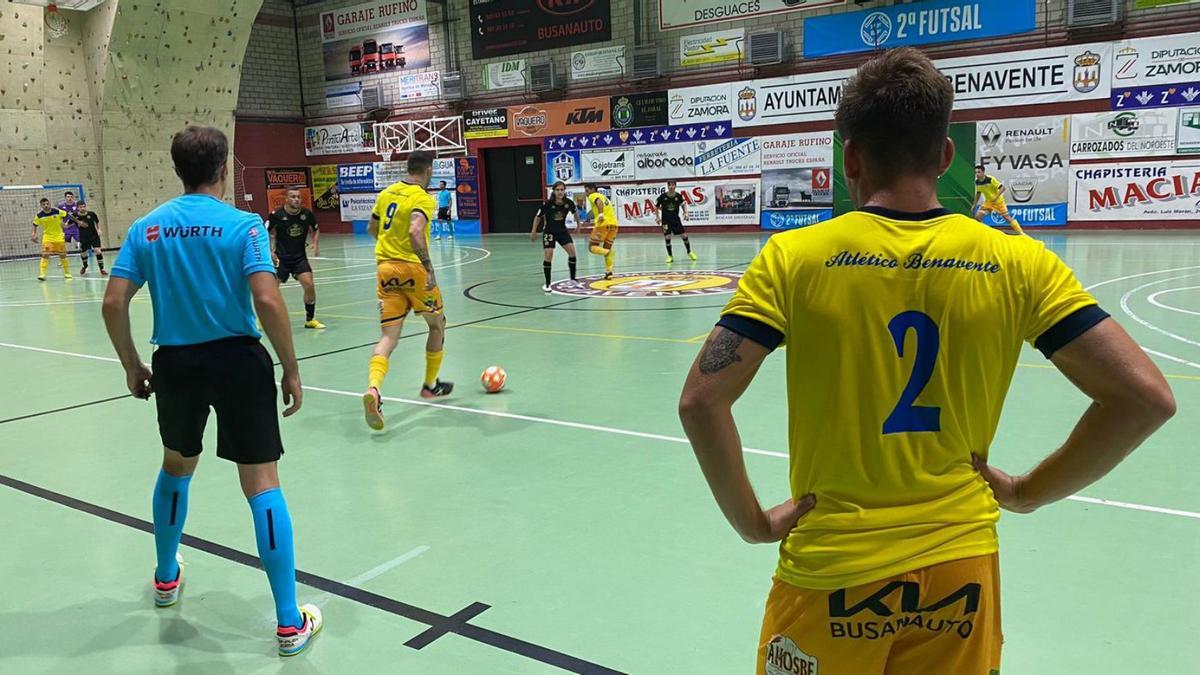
205,261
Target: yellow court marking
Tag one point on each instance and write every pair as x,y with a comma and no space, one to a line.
699,338
321,314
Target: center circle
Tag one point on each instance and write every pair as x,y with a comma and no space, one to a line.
650,285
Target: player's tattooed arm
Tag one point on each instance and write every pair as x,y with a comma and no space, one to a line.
416,234
720,351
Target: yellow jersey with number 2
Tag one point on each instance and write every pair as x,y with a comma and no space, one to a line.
903,332
394,208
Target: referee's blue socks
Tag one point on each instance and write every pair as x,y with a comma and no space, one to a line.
273,531
170,510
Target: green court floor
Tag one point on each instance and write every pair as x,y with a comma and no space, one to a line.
559,525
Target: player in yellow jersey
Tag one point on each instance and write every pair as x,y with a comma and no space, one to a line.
400,223
903,323
992,191
54,242
604,226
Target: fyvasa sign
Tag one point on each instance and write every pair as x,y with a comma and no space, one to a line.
1136,191
1128,133
697,105
1068,73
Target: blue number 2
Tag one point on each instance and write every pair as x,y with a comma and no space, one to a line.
391,213
905,416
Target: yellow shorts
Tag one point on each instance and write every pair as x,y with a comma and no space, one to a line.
401,289
603,235
54,247
998,206
939,619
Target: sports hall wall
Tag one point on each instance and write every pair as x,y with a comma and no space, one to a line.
276,101
99,105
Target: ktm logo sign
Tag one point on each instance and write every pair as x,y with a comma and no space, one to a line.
564,7
585,116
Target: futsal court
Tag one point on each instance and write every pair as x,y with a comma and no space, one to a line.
560,525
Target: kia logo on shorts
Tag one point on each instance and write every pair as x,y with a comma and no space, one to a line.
152,233
564,7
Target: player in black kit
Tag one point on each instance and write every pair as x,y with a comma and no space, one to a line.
89,238
289,226
670,207
553,215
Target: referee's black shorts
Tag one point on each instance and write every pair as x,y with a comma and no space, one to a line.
234,377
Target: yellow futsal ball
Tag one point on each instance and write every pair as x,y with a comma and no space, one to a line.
493,379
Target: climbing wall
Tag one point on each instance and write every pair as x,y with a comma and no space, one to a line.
99,105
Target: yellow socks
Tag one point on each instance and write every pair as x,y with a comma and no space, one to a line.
608,261
1016,226
66,270
45,264
433,363
378,371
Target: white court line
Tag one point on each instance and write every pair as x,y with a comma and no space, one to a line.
1153,299
613,430
322,599
1168,357
1142,274
1130,313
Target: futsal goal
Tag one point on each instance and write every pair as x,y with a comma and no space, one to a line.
18,206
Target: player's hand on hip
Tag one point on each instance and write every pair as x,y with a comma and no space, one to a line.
782,519
1007,489
293,393
138,381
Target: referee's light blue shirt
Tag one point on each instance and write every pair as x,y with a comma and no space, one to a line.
197,253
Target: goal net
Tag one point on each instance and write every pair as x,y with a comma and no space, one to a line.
18,205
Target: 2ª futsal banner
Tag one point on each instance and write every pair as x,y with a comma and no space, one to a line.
1030,157
920,23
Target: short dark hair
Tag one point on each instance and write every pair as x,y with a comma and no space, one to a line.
43,200
896,109
590,186
81,203
419,162
672,181
557,183
199,152
68,193
443,183
980,167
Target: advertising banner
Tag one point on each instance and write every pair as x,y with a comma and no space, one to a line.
280,180
797,175
1155,96
375,37
591,64
668,160
563,165
609,165
635,204
506,27
646,136
387,173
1030,157
356,206
1056,74
1162,190
684,14
732,201
698,105
487,123
639,110
734,156
577,116
706,49
1164,60
504,75
919,23
324,182
1187,138
356,178
344,95
1129,133
466,176
424,86
339,139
